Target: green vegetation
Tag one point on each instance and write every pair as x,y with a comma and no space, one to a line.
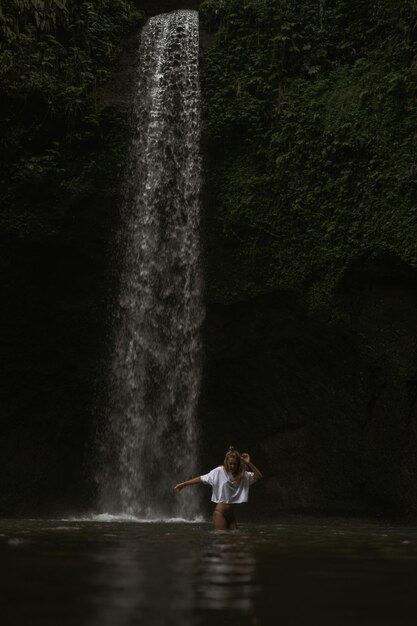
310,134
310,130
60,137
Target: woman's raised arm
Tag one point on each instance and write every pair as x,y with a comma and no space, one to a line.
186,483
246,459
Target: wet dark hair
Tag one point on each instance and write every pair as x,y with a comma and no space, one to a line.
233,453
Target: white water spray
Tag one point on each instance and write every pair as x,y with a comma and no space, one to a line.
151,436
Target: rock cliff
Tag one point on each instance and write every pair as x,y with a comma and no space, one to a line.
309,246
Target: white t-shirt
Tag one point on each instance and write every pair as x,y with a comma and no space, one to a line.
226,488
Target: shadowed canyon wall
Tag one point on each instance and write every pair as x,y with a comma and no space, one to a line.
309,245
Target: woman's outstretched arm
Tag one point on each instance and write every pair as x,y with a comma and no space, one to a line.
193,481
246,459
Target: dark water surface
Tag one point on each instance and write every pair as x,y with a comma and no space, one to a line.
296,572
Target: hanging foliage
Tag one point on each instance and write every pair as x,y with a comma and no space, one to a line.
56,60
310,131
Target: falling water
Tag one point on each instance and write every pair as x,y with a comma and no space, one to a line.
151,433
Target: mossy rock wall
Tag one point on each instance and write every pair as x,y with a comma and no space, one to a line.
309,128
65,82
309,244
309,132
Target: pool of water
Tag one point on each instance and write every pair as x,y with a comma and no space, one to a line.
297,571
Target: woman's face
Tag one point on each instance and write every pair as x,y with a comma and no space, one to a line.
232,465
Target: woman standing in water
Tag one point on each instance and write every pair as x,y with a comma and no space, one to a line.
230,483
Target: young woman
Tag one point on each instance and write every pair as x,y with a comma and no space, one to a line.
230,483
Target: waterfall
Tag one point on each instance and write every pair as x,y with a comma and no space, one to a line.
151,434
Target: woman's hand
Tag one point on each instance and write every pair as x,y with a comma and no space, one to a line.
245,457
179,486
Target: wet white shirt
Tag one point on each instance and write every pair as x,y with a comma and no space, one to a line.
226,488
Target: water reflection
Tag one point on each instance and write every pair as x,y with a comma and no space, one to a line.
226,573
147,578
144,579
118,581
93,574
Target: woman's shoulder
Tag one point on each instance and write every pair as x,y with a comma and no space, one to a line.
217,471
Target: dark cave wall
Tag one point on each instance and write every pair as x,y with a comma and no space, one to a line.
60,214
51,327
326,407
283,385
380,297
